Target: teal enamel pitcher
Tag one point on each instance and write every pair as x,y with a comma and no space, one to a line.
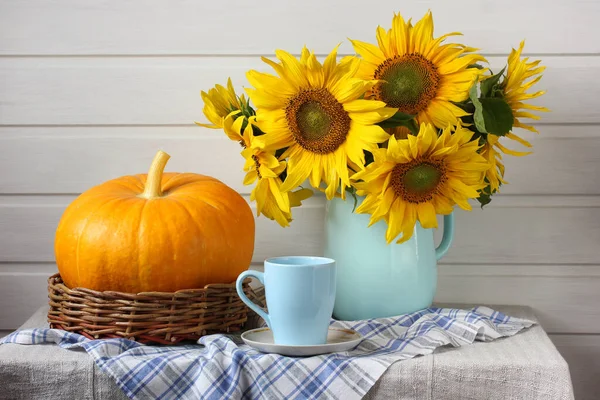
375,279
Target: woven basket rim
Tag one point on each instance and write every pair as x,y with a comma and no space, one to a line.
149,317
52,281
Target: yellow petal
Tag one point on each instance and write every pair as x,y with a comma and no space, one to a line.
250,177
384,42
361,105
262,80
369,133
518,139
408,223
299,168
260,193
211,126
395,220
512,152
233,128
329,64
400,35
315,72
346,90
368,205
369,52
293,67
298,196
460,187
385,203
423,33
282,201
427,215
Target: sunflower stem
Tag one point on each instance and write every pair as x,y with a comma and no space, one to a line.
153,187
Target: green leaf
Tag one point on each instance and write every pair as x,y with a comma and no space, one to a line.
469,108
484,199
475,66
245,107
368,157
485,194
465,106
256,131
468,122
244,125
480,137
283,175
410,124
401,119
478,113
497,115
487,86
400,116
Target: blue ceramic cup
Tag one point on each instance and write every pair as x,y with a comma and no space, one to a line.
300,294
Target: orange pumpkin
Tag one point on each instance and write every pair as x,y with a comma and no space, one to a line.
155,232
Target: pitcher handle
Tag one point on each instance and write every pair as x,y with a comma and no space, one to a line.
240,291
447,237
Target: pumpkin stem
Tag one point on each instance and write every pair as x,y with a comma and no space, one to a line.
153,181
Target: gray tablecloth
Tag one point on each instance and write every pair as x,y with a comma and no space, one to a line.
525,366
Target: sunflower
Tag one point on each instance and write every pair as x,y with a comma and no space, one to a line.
224,108
270,207
315,112
495,173
521,75
418,74
265,169
417,178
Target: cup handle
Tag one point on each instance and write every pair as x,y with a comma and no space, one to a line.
240,291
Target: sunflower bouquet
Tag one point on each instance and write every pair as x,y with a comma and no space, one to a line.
413,126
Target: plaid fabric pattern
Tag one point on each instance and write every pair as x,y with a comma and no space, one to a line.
224,368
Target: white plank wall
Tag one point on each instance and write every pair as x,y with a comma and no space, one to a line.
164,90
233,27
90,90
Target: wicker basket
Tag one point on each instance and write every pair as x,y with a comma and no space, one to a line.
151,317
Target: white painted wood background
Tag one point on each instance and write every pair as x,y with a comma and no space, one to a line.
90,90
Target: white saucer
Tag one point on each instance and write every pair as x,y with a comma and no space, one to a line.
338,339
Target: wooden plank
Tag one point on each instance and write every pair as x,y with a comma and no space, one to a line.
499,234
562,304
558,165
533,201
237,27
73,159
582,353
507,270
517,235
28,224
21,293
165,90
447,269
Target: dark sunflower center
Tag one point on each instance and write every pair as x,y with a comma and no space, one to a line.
418,180
317,121
411,82
313,120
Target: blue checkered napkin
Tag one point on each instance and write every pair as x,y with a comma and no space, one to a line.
223,368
